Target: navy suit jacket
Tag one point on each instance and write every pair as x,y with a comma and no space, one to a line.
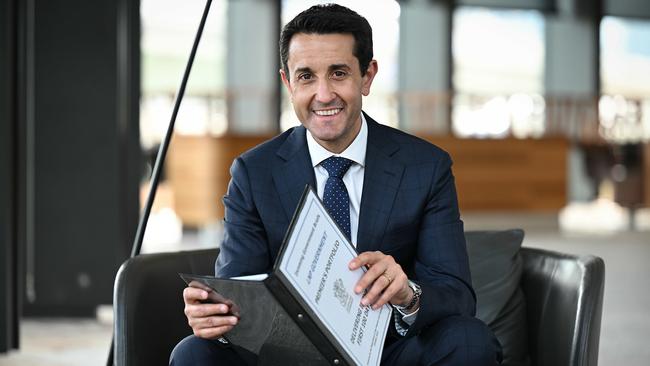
408,210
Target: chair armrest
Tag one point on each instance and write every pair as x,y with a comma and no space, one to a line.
564,298
148,304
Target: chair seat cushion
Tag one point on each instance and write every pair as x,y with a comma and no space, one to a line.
496,268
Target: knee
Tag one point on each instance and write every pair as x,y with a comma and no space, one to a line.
192,350
464,341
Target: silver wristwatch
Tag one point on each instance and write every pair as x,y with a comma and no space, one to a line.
417,292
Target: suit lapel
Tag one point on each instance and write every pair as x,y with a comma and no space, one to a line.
382,177
294,172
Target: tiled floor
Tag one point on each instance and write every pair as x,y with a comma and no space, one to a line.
61,342
625,323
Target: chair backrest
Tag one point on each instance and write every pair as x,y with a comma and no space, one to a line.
564,298
148,304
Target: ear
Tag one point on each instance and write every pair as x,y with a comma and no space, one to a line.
285,81
369,77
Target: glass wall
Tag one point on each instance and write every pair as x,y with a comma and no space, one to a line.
498,74
624,109
168,30
625,76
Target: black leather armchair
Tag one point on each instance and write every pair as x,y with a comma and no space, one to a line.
563,296
564,300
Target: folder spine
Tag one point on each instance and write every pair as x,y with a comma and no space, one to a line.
306,320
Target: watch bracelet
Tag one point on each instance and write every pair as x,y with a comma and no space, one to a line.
416,296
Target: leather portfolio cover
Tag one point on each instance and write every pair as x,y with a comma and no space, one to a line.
265,327
305,311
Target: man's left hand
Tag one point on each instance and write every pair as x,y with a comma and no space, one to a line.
385,280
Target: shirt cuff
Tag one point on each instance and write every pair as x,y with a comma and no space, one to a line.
408,318
404,321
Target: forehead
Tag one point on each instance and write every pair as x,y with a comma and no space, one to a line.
310,50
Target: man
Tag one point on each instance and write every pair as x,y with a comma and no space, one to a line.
403,214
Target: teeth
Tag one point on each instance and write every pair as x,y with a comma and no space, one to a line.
329,112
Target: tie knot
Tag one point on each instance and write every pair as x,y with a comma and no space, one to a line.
336,166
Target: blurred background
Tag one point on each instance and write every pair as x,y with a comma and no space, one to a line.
544,106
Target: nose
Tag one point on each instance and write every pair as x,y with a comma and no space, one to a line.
324,92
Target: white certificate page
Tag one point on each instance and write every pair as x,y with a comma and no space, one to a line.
316,263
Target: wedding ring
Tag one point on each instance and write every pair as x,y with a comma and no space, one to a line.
390,280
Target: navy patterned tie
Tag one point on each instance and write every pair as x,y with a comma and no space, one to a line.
335,197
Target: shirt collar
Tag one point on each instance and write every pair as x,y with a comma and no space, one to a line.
355,152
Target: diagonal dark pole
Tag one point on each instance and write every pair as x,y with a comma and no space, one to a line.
162,153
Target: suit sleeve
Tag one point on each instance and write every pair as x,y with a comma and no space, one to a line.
244,249
441,265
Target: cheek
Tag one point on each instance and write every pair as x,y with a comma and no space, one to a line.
352,97
300,97
300,103
350,91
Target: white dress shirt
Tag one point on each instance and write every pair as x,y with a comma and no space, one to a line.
353,180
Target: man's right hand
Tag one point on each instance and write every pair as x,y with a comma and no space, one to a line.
208,320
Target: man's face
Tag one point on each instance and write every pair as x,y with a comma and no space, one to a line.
326,85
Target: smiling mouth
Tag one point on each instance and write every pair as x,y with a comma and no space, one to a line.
328,112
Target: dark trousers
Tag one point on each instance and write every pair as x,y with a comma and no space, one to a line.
454,340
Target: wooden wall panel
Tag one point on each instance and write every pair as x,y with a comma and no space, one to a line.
508,174
198,170
513,175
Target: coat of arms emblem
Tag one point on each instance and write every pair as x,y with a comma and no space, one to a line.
342,295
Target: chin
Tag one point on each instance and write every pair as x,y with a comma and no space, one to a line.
329,136
325,130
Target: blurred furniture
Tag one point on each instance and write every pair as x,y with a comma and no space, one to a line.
563,296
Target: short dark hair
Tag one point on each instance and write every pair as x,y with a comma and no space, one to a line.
329,19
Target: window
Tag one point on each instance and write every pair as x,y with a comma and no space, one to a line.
624,106
168,30
498,75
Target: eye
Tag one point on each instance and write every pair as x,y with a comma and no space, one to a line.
305,76
339,74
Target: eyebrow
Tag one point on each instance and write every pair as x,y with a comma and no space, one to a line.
303,69
330,68
338,66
